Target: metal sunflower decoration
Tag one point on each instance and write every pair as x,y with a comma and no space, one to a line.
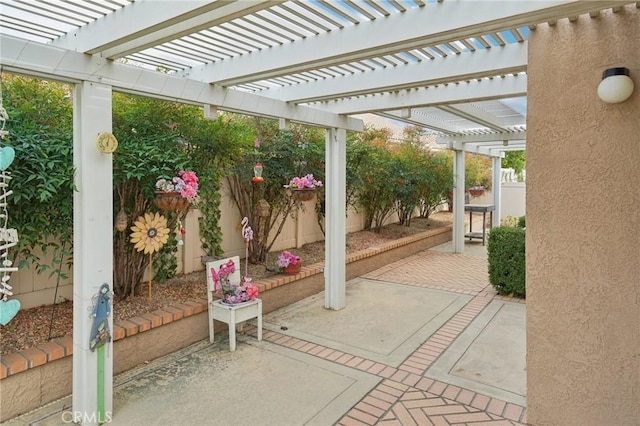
150,233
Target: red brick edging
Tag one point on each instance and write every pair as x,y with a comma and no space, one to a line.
21,361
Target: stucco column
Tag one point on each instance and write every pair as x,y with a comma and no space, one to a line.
583,224
335,219
458,201
92,245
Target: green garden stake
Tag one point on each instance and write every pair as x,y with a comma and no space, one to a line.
100,335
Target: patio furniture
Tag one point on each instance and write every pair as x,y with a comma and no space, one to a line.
479,208
234,315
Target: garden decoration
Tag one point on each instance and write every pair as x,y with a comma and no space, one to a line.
121,220
257,173
289,263
150,233
8,236
232,293
182,232
100,336
303,188
176,193
247,234
3,117
257,168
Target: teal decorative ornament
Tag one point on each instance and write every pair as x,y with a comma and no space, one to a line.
7,154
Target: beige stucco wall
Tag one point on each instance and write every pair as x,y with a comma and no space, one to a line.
583,225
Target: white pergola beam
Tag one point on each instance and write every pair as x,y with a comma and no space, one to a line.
432,24
476,115
520,136
467,66
421,121
35,59
148,23
470,91
475,149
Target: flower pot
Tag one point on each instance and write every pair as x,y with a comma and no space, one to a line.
170,201
476,191
293,269
303,194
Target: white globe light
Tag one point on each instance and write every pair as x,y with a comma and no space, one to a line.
616,85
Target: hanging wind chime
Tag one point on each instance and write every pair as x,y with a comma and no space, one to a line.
8,236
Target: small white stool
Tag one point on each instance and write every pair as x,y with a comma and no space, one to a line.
234,314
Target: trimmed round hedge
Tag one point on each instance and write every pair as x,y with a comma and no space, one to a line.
507,266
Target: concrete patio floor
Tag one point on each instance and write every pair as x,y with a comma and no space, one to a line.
422,341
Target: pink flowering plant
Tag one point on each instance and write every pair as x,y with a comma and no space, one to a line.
186,183
232,293
304,182
285,259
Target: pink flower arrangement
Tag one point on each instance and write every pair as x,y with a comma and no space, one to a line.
304,182
285,259
186,183
232,293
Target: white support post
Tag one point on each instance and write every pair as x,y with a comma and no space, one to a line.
335,219
92,249
458,201
284,124
496,184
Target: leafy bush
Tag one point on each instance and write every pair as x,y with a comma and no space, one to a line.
507,268
40,129
521,221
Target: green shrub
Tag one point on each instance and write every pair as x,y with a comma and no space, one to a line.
521,221
506,251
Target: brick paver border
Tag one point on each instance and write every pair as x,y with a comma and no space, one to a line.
404,396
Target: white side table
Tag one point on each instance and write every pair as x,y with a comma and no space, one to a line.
234,314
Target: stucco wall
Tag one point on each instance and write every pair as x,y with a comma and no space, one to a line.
583,225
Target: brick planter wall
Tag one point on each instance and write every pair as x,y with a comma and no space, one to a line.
37,376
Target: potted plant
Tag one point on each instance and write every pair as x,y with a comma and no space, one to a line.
177,192
303,188
230,292
289,263
476,191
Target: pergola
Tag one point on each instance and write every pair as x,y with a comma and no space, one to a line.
456,68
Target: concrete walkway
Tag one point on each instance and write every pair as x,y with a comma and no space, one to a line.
422,341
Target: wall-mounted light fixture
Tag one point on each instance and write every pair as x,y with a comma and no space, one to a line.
616,85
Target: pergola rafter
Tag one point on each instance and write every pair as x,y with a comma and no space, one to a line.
455,68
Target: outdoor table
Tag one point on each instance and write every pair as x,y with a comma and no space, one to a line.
479,208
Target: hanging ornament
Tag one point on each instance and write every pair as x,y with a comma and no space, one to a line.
182,232
8,239
257,173
4,117
121,220
8,236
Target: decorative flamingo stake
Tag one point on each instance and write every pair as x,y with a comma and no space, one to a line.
247,234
